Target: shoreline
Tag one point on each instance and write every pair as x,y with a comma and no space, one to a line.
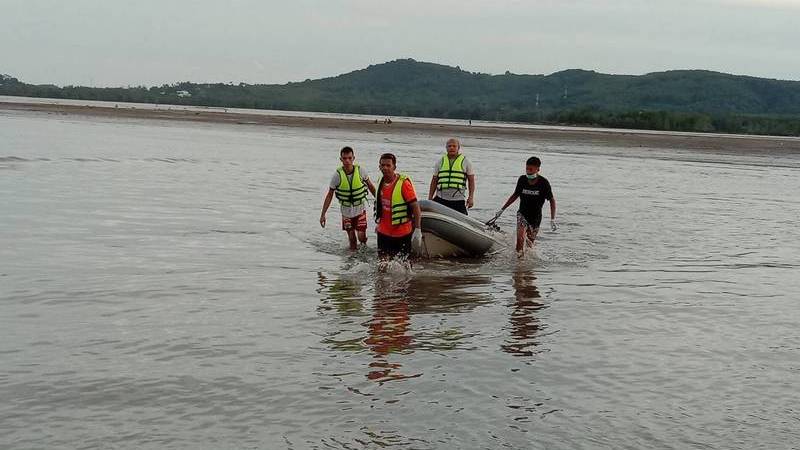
603,136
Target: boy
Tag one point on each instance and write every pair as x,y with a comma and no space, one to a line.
532,189
350,184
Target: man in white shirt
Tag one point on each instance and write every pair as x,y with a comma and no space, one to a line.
453,177
350,183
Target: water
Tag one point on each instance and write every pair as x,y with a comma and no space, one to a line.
167,285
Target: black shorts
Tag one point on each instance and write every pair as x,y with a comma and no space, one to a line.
458,205
394,246
532,221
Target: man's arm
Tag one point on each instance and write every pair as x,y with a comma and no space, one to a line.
370,186
432,189
471,197
417,212
325,205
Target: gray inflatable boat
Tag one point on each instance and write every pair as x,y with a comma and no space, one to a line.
448,233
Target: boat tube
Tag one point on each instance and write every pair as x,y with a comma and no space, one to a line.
448,233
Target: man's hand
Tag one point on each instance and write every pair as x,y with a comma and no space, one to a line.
470,202
553,226
416,238
322,220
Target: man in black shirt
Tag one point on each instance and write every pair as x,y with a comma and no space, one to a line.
532,190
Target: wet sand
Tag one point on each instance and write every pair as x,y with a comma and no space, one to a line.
735,144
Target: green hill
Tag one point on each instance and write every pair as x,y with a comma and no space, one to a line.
683,100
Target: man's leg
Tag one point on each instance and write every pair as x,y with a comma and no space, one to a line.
393,247
351,236
384,250
460,206
361,227
405,246
349,224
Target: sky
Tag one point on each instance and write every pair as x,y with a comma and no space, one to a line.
148,42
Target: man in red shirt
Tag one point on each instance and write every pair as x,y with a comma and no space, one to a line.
398,214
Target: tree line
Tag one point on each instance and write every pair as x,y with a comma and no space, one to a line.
698,101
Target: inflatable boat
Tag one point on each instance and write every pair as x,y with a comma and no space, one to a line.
448,233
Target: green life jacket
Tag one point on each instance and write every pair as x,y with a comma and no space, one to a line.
400,209
351,193
452,176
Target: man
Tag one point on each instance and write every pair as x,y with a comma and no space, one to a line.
397,211
532,189
350,184
452,174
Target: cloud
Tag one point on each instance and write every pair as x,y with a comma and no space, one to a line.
153,42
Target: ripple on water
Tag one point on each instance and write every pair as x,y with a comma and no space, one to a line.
157,293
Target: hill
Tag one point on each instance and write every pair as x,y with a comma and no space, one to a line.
681,100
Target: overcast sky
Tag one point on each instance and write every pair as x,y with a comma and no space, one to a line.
117,43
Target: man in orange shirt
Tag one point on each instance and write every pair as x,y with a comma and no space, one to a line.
397,211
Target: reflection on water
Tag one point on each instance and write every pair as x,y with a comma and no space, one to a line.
524,323
437,292
342,294
388,329
397,296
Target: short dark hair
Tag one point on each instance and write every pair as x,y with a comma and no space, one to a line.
389,156
533,161
346,150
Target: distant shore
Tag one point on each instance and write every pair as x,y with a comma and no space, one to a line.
600,136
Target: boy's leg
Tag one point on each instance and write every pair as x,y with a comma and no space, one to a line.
521,229
522,226
531,234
